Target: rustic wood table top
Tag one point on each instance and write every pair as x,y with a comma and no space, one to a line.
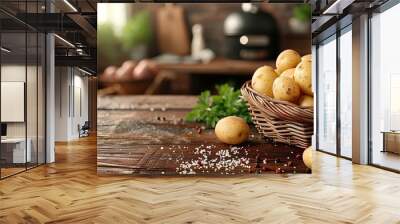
147,135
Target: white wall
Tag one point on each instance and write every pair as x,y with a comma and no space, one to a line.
80,109
62,81
70,83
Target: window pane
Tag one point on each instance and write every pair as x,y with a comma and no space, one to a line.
31,97
346,94
15,150
327,96
41,99
385,84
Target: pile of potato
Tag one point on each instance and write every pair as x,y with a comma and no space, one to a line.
290,81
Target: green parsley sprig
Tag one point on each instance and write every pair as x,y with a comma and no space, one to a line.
210,109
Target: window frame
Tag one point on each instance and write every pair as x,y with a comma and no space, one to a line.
378,10
340,28
27,29
342,22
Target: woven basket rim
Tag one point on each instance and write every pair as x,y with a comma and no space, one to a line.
247,85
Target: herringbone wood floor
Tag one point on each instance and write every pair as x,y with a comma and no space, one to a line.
69,191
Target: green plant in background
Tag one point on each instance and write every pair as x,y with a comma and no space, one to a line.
109,42
137,31
302,12
210,109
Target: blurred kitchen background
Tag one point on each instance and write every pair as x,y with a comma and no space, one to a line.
187,48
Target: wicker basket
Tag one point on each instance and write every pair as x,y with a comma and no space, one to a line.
279,120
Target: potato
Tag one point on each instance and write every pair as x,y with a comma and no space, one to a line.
232,130
288,73
306,57
144,70
303,77
307,157
287,59
125,71
109,73
306,101
285,88
263,80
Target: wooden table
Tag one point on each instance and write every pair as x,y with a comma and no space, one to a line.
146,135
